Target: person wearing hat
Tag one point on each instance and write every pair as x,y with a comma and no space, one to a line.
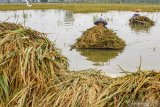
100,22
136,14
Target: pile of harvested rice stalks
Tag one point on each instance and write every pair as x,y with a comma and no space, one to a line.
134,90
141,20
94,89
99,37
29,61
80,89
7,26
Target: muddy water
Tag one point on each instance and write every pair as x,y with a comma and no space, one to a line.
63,27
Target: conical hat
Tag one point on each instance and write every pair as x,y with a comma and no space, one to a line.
100,20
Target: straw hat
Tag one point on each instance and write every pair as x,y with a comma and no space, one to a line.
100,20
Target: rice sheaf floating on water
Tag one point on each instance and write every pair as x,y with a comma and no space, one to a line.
141,20
99,37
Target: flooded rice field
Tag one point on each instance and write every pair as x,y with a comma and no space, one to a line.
64,27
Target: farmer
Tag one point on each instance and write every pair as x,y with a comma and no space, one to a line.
137,13
100,22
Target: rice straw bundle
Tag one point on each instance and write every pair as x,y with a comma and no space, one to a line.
80,89
99,37
142,87
27,60
141,20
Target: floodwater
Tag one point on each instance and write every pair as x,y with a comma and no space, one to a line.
64,27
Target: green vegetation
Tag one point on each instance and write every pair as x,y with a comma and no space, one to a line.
99,37
84,7
34,74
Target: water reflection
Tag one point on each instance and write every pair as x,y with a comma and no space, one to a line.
99,57
25,16
68,18
140,28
